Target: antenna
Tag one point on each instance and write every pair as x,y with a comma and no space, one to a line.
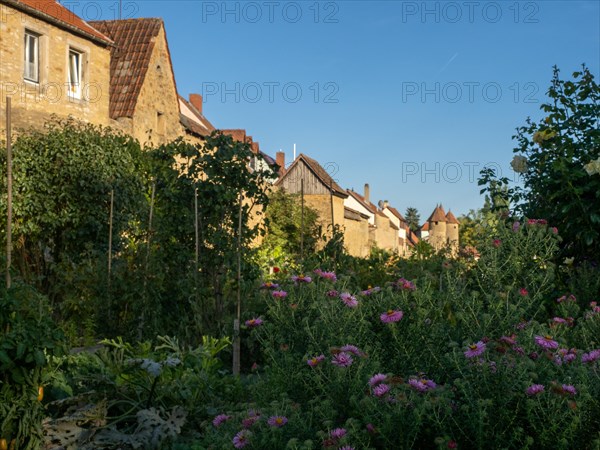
380,204
294,152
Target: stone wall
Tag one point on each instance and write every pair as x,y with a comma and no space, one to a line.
356,237
34,102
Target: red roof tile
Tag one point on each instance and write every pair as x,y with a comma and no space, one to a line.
425,227
450,218
438,215
201,126
55,13
360,199
396,213
134,39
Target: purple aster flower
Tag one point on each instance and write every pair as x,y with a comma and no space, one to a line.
242,439
371,428
534,389
516,226
315,360
377,378
422,385
353,349
391,316
569,389
475,349
370,290
590,357
337,433
253,417
253,323
277,421
279,294
404,284
380,390
509,340
546,342
327,275
349,300
220,419
332,293
301,279
342,359
269,285
346,447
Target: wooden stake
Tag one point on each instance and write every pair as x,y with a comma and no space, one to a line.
302,219
9,192
236,322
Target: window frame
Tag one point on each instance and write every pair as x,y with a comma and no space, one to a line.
75,86
29,37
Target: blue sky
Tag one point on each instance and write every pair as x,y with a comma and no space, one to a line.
411,97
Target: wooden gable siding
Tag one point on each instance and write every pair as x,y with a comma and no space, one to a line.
312,184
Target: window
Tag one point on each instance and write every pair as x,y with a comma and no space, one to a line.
75,72
161,126
32,57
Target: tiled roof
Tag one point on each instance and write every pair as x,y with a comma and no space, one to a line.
450,218
396,213
53,12
393,226
134,39
352,214
198,124
319,172
438,215
237,134
360,199
425,227
412,238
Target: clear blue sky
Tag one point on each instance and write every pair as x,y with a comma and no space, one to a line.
412,97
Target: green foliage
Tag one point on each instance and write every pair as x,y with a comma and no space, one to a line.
28,336
559,154
413,219
291,229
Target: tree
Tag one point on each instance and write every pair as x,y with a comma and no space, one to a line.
413,219
559,159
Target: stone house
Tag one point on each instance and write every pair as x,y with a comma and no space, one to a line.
404,243
321,192
383,233
51,62
143,94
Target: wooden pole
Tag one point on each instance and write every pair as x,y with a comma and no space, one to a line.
302,219
331,201
145,290
236,322
110,236
9,192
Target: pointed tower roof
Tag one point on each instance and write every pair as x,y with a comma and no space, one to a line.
451,219
438,215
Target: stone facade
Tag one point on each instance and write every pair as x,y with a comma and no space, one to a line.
356,233
44,89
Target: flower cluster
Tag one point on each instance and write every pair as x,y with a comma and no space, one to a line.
565,355
566,299
590,357
342,357
537,222
370,290
404,284
220,419
253,417
279,294
269,285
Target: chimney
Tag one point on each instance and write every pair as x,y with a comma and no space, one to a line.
196,101
280,160
366,192
385,204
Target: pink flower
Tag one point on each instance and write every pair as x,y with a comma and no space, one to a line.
391,316
534,389
546,342
220,419
253,323
241,439
452,444
315,360
327,275
475,349
332,293
269,285
353,349
554,230
276,269
342,359
569,389
279,294
516,226
349,300
253,417
422,385
277,421
496,243
337,433
380,390
404,284
377,378
523,292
